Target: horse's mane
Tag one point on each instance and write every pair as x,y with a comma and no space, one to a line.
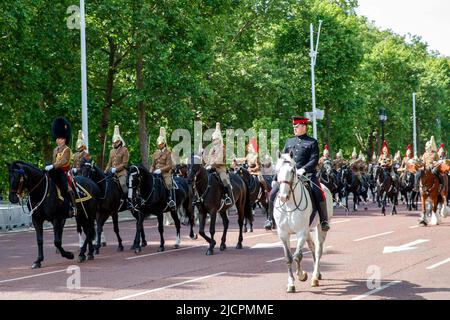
23,163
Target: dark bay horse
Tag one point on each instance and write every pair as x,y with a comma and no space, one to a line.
387,189
209,189
255,191
351,184
45,205
149,196
407,189
329,178
110,202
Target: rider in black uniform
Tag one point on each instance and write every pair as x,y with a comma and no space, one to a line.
305,152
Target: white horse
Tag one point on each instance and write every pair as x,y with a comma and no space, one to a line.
292,211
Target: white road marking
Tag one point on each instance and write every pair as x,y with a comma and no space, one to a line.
376,290
339,221
374,236
170,286
168,251
438,264
260,235
33,276
414,227
404,247
306,252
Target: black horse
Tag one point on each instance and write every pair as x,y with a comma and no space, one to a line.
149,196
45,204
255,191
328,178
407,189
209,190
110,202
387,189
373,182
351,184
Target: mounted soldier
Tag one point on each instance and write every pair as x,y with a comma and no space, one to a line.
305,153
430,159
387,163
216,159
325,156
374,158
80,154
356,165
339,162
254,163
397,161
441,152
118,159
62,155
163,165
408,156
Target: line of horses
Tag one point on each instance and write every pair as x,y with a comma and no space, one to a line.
147,195
200,188
385,186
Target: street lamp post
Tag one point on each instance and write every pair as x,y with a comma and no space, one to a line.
383,117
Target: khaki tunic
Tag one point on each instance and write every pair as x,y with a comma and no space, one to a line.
216,158
78,156
118,158
429,158
338,163
61,158
162,160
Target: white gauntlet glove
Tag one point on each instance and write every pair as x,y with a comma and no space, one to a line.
157,171
301,172
113,170
49,167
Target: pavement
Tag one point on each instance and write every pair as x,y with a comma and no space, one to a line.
367,257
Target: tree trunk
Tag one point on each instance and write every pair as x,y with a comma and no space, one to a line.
143,137
108,103
370,148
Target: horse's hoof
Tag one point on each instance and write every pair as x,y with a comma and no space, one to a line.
119,248
103,244
245,230
177,246
223,246
239,246
423,223
315,283
36,265
161,249
81,259
290,289
137,250
90,257
365,208
251,229
195,237
144,244
209,252
320,276
97,251
69,255
303,277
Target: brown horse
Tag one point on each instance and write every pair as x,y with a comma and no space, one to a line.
429,190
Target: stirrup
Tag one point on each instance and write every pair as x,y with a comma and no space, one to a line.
171,204
228,201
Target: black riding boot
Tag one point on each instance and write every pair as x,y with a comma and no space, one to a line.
72,204
322,209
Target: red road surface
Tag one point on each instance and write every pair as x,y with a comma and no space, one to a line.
353,266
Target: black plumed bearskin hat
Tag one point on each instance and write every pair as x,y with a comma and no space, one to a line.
61,128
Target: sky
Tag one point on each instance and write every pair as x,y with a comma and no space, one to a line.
429,19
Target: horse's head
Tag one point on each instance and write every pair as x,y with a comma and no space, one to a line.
134,181
194,167
87,169
286,176
328,167
21,175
